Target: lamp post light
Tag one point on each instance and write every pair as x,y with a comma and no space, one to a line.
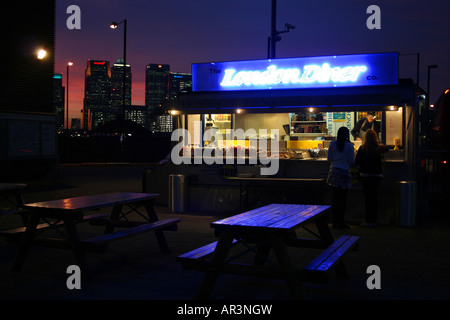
69,64
41,53
113,26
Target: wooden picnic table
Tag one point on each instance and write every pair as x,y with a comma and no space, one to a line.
11,199
272,227
68,212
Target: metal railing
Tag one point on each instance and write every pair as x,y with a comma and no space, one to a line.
435,172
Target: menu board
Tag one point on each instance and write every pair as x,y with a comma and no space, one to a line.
394,126
335,120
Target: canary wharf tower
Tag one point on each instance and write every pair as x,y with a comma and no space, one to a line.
97,94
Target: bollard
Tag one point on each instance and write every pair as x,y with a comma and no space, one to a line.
176,193
406,203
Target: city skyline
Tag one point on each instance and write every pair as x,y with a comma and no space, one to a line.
76,114
180,33
103,96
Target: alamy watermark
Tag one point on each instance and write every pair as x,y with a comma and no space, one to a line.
74,20
263,150
74,280
374,280
374,20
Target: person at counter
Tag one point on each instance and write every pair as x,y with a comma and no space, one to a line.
365,124
368,159
341,153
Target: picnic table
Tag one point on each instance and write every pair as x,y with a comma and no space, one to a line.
272,227
11,199
67,213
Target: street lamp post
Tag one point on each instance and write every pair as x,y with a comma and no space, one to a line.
428,127
433,66
69,64
114,25
274,34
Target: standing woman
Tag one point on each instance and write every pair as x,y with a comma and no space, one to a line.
342,155
368,158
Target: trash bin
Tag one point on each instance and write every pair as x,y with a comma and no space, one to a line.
176,193
406,203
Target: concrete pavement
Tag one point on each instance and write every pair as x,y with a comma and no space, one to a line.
414,262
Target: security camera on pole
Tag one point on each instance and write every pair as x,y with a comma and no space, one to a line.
274,37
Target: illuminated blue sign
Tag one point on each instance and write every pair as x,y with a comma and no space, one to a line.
295,73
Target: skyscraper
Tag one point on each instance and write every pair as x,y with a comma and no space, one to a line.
156,91
58,100
117,87
179,82
136,114
97,94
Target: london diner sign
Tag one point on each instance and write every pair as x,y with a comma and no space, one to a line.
295,73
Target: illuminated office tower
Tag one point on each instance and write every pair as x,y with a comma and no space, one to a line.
136,114
117,87
156,91
58,100
162,85
179,82
97,94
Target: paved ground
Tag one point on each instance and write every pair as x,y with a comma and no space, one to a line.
414,262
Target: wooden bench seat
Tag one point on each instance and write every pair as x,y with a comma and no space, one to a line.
15,234
317,270
98,243
195,259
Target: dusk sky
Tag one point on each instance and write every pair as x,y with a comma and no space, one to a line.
180,32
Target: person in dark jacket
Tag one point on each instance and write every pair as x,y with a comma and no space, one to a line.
369,160
341,154
365,124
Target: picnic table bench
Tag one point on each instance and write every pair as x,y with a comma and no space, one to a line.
68,212
267,228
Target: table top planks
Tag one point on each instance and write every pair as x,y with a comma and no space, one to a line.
281,217
92,201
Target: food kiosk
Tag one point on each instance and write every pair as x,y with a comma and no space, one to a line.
298,104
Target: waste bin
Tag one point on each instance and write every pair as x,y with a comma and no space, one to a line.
406,203
176,193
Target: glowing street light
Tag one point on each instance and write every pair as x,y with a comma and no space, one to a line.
41,54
